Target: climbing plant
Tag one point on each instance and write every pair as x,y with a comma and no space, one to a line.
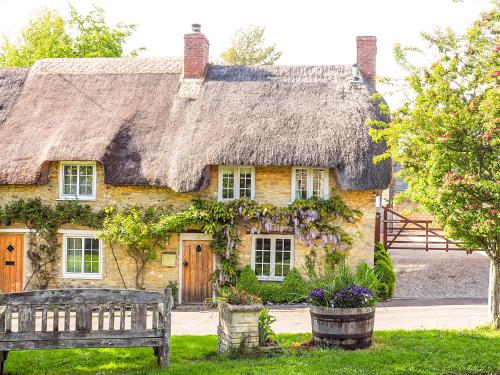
313,221
43,222
137,231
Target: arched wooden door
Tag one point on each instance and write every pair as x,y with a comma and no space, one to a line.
197,268
11,263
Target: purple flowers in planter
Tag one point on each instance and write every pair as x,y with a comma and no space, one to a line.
354,296
317,293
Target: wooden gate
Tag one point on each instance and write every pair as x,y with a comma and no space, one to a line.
197,268
401,233
11,263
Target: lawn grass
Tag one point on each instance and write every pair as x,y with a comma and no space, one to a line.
394,352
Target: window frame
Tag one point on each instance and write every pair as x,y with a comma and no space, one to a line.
236,169
77,196
273,238
326,182
82,275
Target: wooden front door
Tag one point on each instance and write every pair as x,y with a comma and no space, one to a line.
11,263
197,268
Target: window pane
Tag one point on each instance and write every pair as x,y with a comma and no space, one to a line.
91,261
267,244
245,182
318,179
70,177
262,256
301,183
74,255
266,271
228,183
86,180
278,269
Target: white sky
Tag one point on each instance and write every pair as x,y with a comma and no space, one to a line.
307,32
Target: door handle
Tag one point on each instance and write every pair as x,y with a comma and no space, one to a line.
185,263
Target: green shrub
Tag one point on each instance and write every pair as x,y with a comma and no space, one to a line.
271,292
384,270
294,288
248,281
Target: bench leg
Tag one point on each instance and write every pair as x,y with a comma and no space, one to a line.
3,358
163,356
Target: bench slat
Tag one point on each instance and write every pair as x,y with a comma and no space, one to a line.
122,317
43,336
67,317
81,343
55,321
8,319
100,318
77,296
44,318
155,316
83,318
111,317
27,318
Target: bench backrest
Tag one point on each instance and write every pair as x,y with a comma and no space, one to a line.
93,317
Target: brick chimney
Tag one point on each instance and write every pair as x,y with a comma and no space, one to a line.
195,53
367,56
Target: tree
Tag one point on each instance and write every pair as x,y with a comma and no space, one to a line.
248,48
50,35
447,138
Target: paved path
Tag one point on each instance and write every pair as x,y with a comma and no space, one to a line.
437,314
440,274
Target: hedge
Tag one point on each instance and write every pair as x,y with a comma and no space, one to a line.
293,289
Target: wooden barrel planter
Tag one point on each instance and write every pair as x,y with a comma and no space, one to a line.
346,328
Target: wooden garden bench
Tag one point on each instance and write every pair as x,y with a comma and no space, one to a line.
85,318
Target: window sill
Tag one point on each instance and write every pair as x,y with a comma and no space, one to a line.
270,278
82,199
82,277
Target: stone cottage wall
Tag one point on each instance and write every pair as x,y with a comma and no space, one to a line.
273,184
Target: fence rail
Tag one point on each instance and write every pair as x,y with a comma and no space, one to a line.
398,232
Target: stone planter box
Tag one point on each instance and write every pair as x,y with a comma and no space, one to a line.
238,327
346,328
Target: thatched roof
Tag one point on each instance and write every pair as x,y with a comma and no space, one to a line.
11,84
128,114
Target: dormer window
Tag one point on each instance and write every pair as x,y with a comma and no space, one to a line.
236,182
309,182
77,180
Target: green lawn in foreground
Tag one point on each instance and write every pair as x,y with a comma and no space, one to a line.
394,352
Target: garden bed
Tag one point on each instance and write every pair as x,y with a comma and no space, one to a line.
393,352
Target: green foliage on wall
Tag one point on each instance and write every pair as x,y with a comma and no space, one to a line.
43,222
313,221
138,232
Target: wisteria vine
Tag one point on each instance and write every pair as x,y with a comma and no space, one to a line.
312,221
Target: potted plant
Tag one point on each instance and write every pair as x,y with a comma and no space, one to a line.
238,320
343,309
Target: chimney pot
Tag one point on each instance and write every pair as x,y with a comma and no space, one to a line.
367,56
196,27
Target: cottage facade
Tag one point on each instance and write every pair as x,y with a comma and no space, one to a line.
160,132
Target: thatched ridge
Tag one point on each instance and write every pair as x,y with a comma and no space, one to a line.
128,114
